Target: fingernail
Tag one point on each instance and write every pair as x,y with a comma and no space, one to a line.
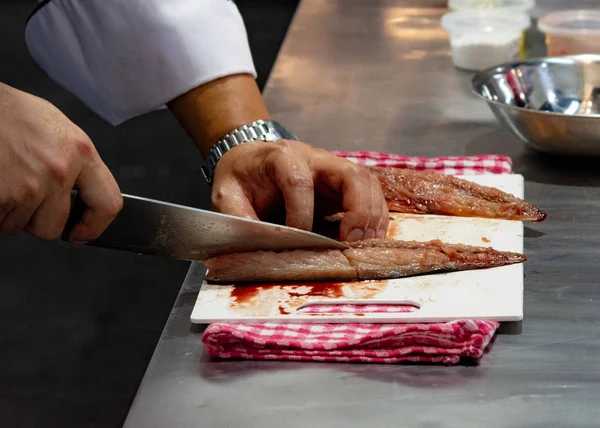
369,234
381,233
354,235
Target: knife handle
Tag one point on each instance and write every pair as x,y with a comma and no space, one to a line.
78,207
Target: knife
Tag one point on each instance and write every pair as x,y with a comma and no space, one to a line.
159,228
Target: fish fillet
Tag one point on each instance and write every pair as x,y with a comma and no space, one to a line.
428,192
365,260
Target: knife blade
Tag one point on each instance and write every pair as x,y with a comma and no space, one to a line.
148,226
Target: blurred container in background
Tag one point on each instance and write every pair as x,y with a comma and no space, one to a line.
514,6
571,32
482,38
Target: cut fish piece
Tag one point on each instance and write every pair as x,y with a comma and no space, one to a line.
296,265
428,192
365,260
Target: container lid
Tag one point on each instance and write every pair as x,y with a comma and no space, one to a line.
481,20
571,22
508,5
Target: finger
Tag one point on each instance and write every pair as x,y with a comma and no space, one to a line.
295,180
5,208
228,197
375,217
356,202
48,222
385,221
103,200
16,220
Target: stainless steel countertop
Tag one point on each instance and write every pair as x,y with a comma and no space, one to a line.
359,74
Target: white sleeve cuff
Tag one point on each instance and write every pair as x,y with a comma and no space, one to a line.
124,58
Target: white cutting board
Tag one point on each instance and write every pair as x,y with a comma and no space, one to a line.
488,294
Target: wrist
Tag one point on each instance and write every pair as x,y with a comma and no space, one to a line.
211,111
260,130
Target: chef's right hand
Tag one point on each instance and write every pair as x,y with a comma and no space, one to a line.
43,156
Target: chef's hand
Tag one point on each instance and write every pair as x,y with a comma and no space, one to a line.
253,179
43,156
257,179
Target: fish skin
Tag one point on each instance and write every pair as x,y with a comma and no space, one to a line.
364,260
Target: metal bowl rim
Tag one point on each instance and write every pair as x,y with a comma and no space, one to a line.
573,59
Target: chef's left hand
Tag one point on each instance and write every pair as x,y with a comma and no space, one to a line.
260,180
253,180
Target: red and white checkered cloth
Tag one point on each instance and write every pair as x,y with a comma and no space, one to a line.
451,165
442,343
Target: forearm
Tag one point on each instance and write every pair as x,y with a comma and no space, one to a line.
212,110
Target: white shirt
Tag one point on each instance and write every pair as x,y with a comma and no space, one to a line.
124,58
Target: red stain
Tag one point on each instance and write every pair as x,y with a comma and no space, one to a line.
332,290
486,240
244,293
293,295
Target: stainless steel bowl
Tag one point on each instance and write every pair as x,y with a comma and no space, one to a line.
552,104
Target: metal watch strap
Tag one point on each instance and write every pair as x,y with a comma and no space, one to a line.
260,130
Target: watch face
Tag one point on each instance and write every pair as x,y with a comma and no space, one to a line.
283,132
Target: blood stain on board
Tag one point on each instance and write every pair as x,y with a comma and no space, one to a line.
269,298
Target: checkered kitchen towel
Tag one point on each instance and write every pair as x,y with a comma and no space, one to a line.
451,165
442,343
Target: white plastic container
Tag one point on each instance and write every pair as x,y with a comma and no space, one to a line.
512,6
483,38
571,32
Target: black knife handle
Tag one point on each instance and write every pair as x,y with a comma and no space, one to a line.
78,207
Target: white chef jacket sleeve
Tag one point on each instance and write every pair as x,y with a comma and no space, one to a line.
124,58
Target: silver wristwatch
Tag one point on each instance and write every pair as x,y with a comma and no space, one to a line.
261,130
